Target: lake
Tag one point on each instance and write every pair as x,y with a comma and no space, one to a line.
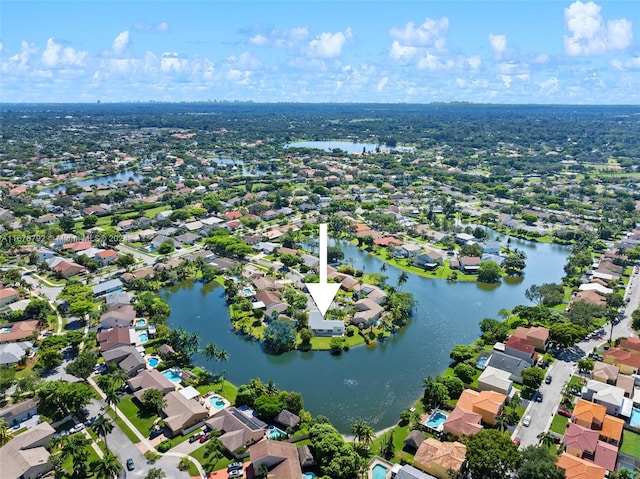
122,176
346,146
370,383
233,165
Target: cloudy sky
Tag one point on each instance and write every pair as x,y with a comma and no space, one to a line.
417,51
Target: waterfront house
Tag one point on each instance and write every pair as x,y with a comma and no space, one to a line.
414,439
238,429
469,264
462,423
428,260
325,327
287,419
182,415
488,404
493,379
440,458
522,349
515,366
536,335
25,456
279,458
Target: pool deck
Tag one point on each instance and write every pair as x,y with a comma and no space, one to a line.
204,400
149,356
375,461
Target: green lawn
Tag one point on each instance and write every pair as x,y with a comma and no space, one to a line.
630,443
207,464
125,429
142,419
559,424
229,391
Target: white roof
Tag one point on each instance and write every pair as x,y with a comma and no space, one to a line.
598,288
189,392
496,377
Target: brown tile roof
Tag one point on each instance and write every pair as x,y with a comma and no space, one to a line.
462,423
588,411
446,455
19,330
8,292
577,468
612,428
283,454
631,344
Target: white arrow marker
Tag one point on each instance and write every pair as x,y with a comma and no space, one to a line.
323,292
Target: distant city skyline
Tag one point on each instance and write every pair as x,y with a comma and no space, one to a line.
374,51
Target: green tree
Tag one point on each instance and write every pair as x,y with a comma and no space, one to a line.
489,272
564,335
513,265
546,439
156,473
532,377
108,466
435,393
462,352
213,450
7,379
89,222
166,247
492,455
103,426
5,433
68,224
280,336
153,400
464,372
585,364
83,365
538,463
49,359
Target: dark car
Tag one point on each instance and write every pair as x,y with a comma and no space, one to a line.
548,380
539,397
234,465
155,433
130,465
564,412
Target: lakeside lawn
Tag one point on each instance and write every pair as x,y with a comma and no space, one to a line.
229,391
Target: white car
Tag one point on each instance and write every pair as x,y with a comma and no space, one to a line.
77,428
526,421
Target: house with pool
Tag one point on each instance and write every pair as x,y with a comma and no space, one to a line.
280,458
239,428
439,458
183,414
150,379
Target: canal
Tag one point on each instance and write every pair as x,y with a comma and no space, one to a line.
374,384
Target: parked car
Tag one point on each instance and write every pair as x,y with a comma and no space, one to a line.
564,412
195,437
77,428
236,473
516,441
537,396
548,379
234,465
526,422
155,433
130,465
204,437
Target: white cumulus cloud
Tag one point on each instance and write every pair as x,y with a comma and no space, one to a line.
432,33
498,44
623,65
590,34
121,42
57,55
328,45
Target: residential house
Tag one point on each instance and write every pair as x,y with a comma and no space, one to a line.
112,338
493,379
586,444
462,423
627,361
137,274
118,298
107,287
469,264
287,419
127,358
522,349
536,335
163,215
410,472
187,238
106,257
428,260
12,353
182,414
367,313
488,404
611,431
612,397
578,468
44,254
8,296
627,384
325,327
589,415
490,247
414,439
67,269
279,458
514,365
118,317
408,250
25,456
464,238
18,331
239,429
125,225
150,379
269,298
440,458
19,412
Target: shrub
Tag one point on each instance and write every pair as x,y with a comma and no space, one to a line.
164,446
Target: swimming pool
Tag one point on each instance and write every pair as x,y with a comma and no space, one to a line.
172,375
247,291
5,330
308,475
379,471
275,433
141,322
143,338
634,420
216,402
153,361
481,362
436,420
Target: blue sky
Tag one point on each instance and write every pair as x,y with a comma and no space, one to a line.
544,51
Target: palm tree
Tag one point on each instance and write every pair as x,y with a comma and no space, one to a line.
5,433
357,429
272,389
546,438
102,427
213,450
108,466
402,279
119,375
111,397
367,434
383,268
155,473
501,421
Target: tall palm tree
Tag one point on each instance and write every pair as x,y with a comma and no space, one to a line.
155,473
357,429
107,467
119,375
111,397
102,427
5,433
501,421
402,279
272,388
213,450
367,434
383,268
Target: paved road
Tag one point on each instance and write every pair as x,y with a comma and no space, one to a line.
562,369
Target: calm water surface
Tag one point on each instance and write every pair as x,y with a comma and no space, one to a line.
374,384
122,176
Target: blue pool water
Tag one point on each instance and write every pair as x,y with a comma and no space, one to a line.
482,362
634,420
143,337
436,420
153,362
247,291
5,330
172,376
216,402
308,475
275,433
379,472
141,322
